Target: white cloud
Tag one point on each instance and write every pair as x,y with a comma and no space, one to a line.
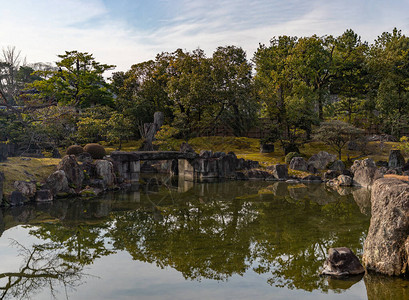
44,28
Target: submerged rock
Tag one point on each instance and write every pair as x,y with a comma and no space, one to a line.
280,172
342,262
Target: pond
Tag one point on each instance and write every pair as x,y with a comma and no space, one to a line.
179,240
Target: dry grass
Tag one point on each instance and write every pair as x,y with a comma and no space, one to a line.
19,168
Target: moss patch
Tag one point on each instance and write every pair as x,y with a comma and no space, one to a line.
19,168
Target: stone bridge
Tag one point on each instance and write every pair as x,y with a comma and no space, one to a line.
188,165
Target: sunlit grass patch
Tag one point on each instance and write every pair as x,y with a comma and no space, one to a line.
32,169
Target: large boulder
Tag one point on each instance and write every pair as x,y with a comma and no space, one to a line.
365,172
27,188
337,165
386,248
396,159
105,170
342,262
57,183
298,163
73,170
321,160
280,172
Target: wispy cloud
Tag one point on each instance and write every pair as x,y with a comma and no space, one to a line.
44,28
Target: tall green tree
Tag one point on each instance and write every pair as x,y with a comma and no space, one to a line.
389,64
77,82
285,95
233,89
351,80
189,88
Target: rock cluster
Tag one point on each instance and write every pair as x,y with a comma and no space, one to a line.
70,179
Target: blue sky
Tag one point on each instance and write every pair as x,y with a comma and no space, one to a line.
124,32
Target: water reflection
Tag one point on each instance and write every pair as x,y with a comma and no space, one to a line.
207,231
42,266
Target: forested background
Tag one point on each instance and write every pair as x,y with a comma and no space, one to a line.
288,87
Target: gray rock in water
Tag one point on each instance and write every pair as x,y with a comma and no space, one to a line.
386,247
396,159
44,196
365,172
321,160
298,163
280,172
342,262
27,188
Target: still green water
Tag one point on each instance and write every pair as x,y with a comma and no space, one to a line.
229,240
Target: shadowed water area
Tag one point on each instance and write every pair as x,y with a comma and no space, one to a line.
179,240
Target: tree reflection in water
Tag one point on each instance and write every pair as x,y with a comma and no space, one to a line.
42,267
212,231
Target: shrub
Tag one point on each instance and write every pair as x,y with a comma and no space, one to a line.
74,150
95,150
290,156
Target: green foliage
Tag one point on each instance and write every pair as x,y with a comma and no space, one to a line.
95,150
92,124
336,134
119,128
165,139
404,145
290,156
389,65
78,81
74,150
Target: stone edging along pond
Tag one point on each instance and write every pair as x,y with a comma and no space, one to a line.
386,248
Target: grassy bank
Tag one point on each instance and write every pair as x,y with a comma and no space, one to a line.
37,169
31,169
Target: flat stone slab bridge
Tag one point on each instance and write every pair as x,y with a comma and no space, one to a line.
189,165
129,163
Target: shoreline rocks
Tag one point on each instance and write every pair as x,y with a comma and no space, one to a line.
342,262
386,248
